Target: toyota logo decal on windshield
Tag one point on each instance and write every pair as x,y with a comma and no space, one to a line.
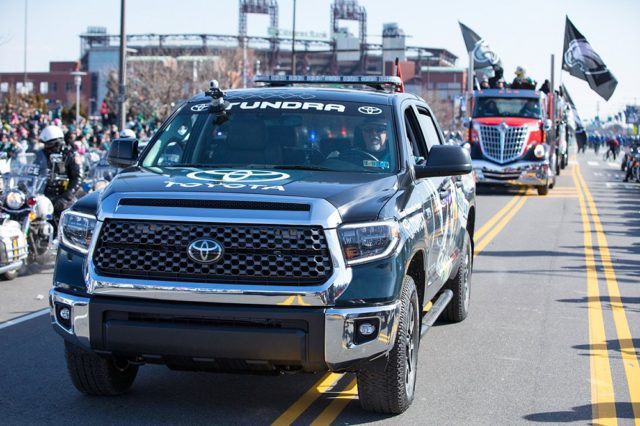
239,176
205,251
370,110
199,107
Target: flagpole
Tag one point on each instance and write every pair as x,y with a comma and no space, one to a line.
470,82
554,102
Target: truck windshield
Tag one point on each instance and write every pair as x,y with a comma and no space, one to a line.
507,107
277,133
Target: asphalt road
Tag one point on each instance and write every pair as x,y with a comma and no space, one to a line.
553,335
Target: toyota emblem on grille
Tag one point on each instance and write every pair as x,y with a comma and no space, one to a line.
205,251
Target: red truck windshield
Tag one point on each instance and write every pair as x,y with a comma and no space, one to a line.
507,107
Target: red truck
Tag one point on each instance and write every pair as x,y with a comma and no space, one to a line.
508,138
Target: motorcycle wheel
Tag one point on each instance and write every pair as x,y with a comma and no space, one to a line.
8,276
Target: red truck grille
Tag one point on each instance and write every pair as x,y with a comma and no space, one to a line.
503,144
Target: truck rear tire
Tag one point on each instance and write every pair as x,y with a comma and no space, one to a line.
458,308
543,190
392,391
94,375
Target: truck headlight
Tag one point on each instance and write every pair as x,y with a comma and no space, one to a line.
538,151
15,199
365,242
76,230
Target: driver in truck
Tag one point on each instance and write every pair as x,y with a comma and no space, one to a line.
374,135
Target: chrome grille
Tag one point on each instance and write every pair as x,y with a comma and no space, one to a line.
503,144
253,254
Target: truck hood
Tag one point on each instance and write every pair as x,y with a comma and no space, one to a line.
357,196
510,121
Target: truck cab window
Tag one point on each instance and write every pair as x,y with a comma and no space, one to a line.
415,137
428,127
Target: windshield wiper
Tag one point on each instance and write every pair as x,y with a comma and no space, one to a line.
302,167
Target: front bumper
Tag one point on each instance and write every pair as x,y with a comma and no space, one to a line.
311,338
519,173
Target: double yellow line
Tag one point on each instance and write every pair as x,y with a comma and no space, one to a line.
602,390
487,232
329,381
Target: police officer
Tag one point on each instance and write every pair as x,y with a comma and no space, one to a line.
65,176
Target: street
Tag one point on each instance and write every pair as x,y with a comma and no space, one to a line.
553,335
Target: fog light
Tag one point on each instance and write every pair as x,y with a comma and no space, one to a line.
366,330
65,314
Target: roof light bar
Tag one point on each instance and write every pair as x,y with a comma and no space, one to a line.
369,80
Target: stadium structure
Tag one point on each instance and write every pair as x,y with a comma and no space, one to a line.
424,69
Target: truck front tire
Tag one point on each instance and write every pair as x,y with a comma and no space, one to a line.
391,391
543,190
94,375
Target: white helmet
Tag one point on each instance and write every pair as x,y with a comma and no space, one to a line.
127,133
51,134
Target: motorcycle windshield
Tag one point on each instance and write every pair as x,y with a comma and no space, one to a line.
25,174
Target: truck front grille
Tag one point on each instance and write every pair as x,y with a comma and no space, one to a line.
253,254
503,144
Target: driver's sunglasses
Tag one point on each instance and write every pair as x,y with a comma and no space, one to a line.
375,129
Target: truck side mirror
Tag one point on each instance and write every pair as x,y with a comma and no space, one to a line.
466,122
123,152
548,124
445,160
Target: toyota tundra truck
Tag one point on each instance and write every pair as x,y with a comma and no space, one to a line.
507,138
282,228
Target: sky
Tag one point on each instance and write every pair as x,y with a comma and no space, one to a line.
522,33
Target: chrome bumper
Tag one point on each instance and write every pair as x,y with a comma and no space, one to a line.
78,330
340,349
520,173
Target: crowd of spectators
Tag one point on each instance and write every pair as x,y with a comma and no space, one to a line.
20,129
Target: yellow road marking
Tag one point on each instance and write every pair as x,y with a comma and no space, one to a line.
491,222
482,244
602,395
321,386
627,350
330,413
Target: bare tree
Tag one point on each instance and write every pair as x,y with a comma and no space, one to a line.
442,107
155,84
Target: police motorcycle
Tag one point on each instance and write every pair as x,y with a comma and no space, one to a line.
13,243
25,204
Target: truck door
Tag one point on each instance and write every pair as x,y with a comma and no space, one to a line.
428,194
445,189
